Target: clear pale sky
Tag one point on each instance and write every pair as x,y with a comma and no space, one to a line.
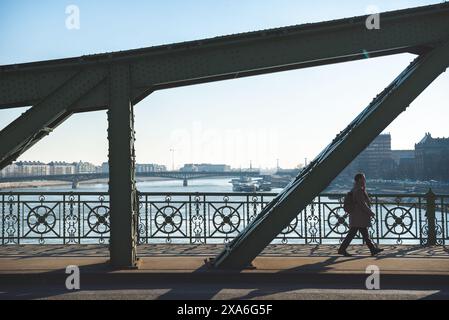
288,116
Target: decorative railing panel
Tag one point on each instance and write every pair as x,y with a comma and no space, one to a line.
54,218
200,218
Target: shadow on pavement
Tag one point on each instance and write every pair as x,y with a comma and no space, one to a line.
206,284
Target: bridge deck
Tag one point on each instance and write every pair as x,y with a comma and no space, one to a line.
189,259
177,272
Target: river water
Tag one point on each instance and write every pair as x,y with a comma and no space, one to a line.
170,186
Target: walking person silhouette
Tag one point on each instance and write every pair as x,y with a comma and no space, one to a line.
357,205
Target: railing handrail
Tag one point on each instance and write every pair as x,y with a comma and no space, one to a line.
201,217
53,193
270,194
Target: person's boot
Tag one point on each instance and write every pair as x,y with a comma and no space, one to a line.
344,253
376,251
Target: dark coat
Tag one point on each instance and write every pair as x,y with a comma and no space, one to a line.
360,216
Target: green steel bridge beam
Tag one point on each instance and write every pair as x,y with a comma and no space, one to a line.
44,117
122,184
311,181
413,30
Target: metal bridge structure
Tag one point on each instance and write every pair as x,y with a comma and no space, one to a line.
176,175
117,81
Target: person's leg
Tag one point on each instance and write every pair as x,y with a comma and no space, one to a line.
349,237
367,239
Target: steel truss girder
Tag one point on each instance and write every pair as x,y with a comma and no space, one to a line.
260,52
45,116
122,186
325,168
307,47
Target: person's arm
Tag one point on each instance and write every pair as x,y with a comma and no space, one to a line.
359,198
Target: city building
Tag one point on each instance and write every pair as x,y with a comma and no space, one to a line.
205,167
32,168
400,156
145,168
105,167
160,168
140,168
10,171
376,161
62,168
404,164
85,167
189,168
429,160
432,158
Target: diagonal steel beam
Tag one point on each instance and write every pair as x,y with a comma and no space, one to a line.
42,118
14,154
386,107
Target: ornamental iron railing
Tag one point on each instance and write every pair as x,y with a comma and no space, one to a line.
201,218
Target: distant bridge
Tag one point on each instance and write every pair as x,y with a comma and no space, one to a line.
75,179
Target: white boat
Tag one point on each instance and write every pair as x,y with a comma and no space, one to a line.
248,184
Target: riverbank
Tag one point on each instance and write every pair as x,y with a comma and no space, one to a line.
33,184
46,184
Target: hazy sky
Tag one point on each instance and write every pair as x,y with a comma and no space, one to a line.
288,116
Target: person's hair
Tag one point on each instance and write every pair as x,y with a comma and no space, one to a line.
359,177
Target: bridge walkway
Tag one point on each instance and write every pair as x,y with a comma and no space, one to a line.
188,259
177,272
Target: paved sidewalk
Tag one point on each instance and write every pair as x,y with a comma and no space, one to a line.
178,272
190,259
149,250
